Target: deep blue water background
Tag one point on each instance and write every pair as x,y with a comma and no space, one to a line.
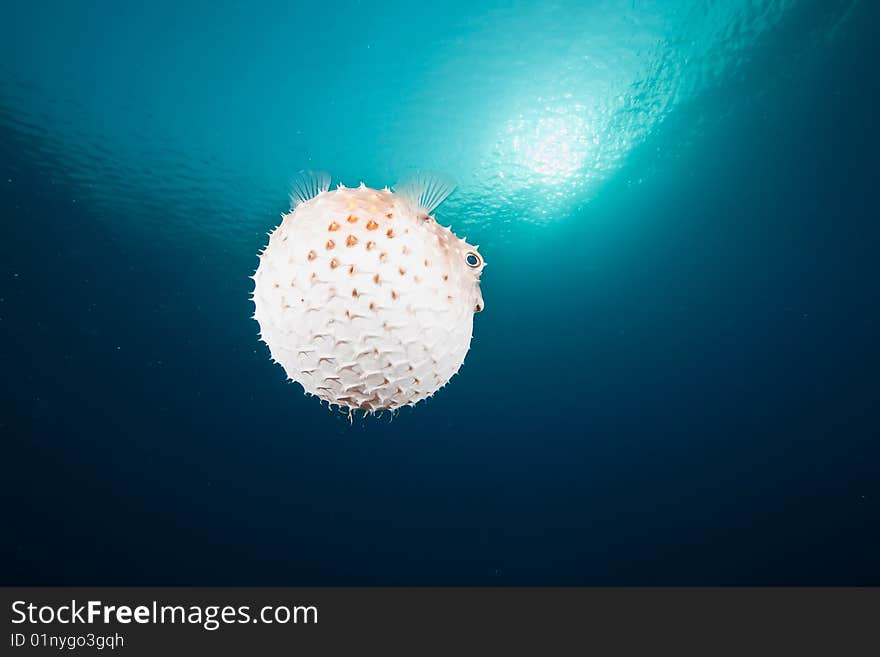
675,380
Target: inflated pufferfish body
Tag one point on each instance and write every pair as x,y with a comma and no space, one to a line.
363,298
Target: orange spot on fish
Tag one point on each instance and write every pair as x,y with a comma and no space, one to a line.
376,278
334,263
402,270
372,225
390,232
312,255
330,244
333,226
352,219
351,240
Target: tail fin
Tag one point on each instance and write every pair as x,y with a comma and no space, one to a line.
307,185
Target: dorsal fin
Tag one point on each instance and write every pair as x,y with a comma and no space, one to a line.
425,191
307,185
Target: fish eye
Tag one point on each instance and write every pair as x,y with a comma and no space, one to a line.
472,259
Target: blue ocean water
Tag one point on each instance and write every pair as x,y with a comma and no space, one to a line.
675,380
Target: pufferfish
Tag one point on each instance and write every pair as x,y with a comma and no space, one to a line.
363,298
